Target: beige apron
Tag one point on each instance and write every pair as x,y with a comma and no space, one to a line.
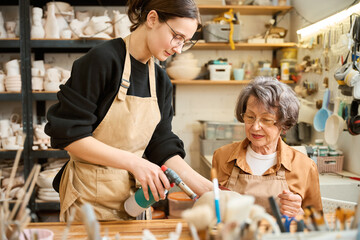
261,187
128,125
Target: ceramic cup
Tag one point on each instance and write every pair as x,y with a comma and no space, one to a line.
39,64
12,68
51,86
37,83
52,75
239,73
5,128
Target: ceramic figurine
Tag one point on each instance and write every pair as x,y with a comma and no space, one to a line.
2,28
51,25
121,24
10,29
99,24
77,27
37,30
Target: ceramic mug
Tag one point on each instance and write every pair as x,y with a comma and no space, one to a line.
239,73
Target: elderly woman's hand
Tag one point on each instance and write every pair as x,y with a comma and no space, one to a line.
290,203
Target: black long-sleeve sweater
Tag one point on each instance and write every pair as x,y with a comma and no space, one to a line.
88,94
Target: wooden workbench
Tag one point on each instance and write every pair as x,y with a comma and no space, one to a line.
127,229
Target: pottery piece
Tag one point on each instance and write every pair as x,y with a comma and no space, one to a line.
37,29
2,28
99,24
51,25
10,29
53,75
121,24
12,68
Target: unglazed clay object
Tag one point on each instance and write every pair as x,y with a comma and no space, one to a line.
37,29
2,28
121,24
51,25
99,24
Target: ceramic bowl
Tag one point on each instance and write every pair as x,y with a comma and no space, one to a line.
51,86
185,62
184,56
183,72
43,234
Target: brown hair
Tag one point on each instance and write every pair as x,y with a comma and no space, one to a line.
166,9
274,95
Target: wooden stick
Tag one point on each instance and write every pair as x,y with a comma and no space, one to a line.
12,176
14,169
20,198
29,192
68,225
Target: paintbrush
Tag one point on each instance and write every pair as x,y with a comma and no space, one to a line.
29,192
68,224
216,195
21,194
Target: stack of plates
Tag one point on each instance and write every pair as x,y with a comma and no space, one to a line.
44,181
13,83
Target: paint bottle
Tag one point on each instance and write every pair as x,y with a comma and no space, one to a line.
136,203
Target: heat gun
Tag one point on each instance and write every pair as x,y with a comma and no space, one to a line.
174,178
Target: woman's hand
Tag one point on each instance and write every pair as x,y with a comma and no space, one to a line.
290,203
149,174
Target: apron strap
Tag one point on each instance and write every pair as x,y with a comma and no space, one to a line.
233,177
125,80
152,77
281,172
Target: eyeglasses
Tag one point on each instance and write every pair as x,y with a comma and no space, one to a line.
179,40
251,119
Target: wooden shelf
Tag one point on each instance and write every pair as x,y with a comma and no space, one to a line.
211,82
245,9
244,46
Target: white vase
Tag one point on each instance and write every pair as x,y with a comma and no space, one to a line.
51,25
2,27
37,30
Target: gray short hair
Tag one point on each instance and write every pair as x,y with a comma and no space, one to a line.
273,94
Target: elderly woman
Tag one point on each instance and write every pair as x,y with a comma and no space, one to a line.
262,164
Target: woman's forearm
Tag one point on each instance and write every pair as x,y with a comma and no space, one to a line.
190,177
96,152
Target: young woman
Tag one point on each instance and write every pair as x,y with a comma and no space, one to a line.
116,108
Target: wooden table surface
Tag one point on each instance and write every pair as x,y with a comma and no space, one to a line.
127,229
